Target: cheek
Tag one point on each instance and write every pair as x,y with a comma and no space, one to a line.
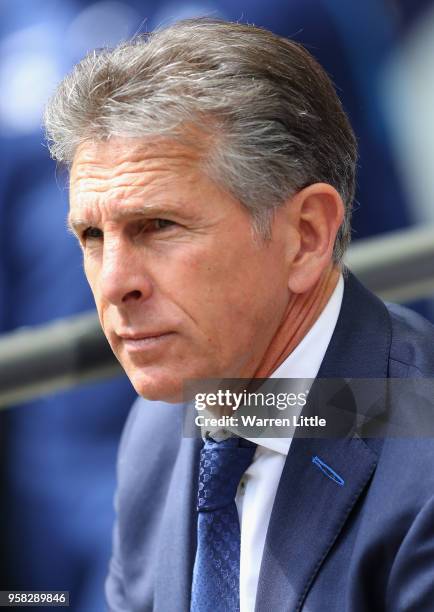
91,270
91,277
222,289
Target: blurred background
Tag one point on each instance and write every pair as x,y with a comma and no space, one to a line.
57,453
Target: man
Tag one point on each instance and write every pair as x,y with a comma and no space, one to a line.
212,176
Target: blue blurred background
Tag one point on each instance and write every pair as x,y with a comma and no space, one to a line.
58,453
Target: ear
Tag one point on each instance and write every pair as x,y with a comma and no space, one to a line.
316,214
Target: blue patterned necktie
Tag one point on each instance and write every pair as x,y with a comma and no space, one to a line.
216,573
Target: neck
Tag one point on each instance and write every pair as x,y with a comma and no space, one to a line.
300,315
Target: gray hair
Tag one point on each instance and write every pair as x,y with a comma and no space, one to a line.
275,119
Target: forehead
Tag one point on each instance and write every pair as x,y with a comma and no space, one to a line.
115,157
125,170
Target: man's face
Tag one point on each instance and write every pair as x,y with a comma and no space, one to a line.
182,287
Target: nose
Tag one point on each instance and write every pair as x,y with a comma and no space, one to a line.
123,278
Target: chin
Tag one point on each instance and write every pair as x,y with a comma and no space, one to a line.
158,388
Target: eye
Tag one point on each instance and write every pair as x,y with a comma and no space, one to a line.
92,233
160,224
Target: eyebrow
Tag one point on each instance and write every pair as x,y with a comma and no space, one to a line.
74,223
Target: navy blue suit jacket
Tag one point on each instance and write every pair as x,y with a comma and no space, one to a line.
361,547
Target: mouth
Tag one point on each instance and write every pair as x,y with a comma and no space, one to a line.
143,341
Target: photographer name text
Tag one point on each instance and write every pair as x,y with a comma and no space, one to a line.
254,421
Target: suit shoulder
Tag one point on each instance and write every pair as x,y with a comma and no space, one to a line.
146,419
412,347
151,437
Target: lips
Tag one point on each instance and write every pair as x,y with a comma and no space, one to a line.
142,335
139,342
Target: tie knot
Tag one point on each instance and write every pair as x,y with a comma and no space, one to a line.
221,466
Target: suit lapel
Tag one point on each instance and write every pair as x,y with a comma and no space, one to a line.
178,532
309,511
323,478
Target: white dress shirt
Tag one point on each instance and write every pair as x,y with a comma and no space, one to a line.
258,486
